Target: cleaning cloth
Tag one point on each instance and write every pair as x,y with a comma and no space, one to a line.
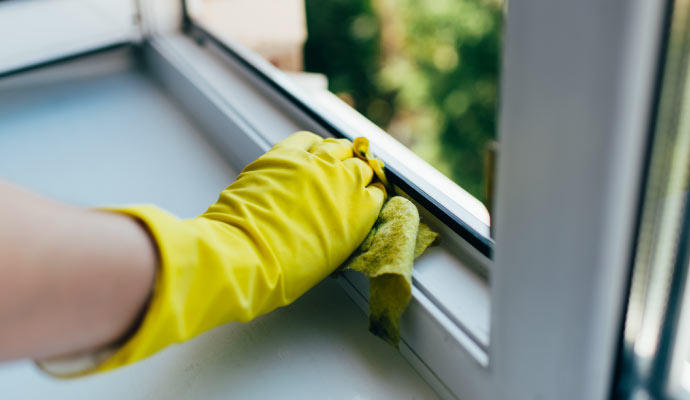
386,256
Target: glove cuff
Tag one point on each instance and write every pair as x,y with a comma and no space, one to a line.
159,326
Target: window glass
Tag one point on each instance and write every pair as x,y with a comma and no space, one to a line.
656,352
424,71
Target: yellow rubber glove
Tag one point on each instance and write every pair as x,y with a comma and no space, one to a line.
292,217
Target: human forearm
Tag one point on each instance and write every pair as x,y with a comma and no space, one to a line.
70,279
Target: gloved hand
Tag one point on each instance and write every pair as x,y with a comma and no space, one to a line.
289,220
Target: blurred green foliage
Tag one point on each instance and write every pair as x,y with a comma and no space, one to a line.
426,71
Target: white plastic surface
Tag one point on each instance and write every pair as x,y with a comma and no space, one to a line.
36,31
116,137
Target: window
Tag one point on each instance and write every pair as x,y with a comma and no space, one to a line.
540,314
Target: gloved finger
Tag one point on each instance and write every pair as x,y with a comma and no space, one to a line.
360,168
378,192
301,140
360,148
340,149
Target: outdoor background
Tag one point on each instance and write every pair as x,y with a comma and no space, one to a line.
426,71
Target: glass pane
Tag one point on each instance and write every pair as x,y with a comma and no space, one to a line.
657,324
424,71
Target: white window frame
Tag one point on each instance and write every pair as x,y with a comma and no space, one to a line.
576,92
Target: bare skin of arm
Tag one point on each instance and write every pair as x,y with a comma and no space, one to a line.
71,280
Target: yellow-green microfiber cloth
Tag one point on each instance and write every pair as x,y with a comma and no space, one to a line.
386,257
